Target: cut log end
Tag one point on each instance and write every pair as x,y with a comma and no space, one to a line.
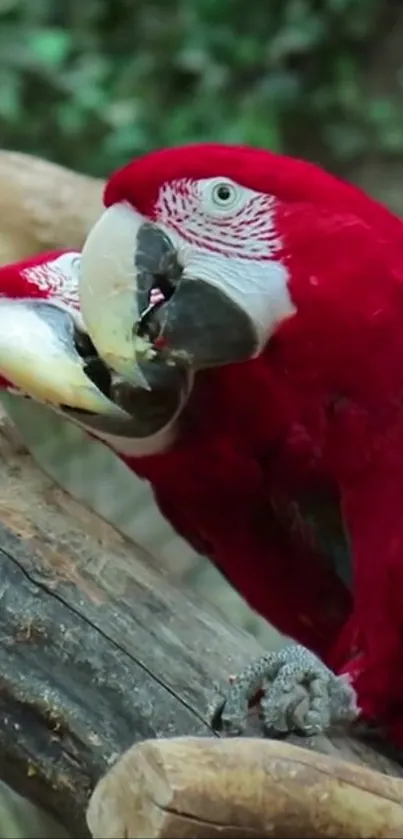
201,787
44,206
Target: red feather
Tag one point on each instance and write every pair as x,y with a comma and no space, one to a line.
321,408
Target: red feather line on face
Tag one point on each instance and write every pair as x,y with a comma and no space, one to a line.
248,232
47,276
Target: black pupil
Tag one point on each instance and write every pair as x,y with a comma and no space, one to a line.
224,192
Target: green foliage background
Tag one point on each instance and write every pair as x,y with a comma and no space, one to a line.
90,83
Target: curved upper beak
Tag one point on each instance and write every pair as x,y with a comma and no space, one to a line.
110,288
195,322
40,355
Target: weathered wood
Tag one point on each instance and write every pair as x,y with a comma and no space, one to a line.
197,788
43,206
98,648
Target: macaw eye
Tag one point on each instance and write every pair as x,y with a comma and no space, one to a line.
224,194
220,198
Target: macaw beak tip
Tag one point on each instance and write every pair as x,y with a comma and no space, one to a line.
43,354
40,357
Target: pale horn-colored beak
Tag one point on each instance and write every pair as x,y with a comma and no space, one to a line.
122,257
42,353
199,322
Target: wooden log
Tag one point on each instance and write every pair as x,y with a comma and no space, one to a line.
99,650
43,206
197,788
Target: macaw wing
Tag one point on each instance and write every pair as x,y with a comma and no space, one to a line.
315,519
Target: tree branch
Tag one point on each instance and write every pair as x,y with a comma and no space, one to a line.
99,650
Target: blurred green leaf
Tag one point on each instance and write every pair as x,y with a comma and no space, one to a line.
90,83
10,97
49,46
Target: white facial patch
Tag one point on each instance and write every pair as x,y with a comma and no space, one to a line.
58,279
226,235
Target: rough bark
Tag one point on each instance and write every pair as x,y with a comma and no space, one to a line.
99,650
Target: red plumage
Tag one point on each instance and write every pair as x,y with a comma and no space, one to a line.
35,277
320,408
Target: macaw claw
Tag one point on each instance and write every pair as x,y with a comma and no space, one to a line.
298,694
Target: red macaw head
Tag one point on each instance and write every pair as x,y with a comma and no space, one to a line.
203,251
47,355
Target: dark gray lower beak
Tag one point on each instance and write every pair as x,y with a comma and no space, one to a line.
200,326
151,409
